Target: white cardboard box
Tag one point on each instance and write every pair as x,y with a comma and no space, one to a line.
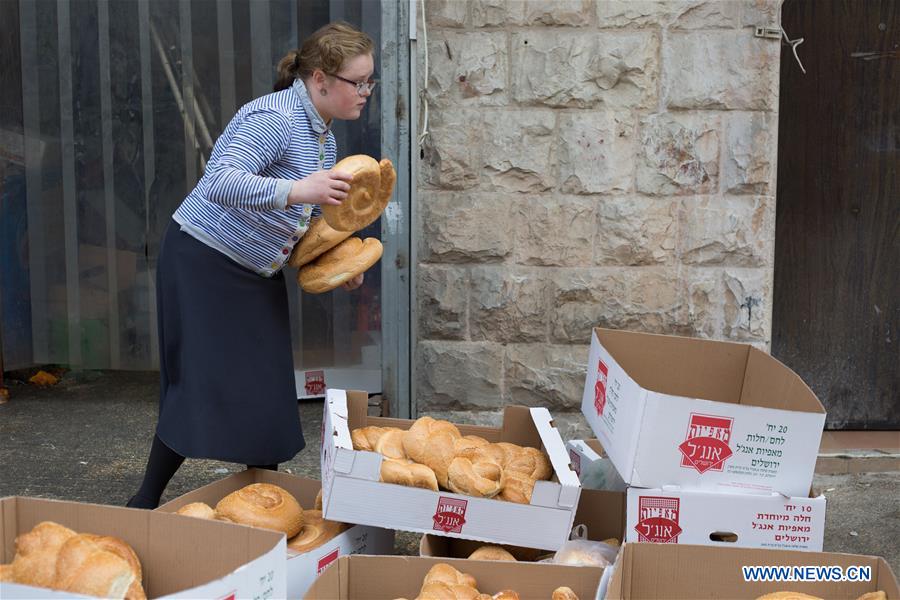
601,513
681,516
730,520
301,569
181,557
701,414
353,492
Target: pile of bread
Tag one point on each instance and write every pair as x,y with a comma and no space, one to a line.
433,454
879,595
272,507
326,254
53,556
443,582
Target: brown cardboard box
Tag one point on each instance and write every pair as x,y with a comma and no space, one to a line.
389,577
655,571
180,556
601,512
302,569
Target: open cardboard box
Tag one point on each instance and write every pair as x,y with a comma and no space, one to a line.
685,516
390,577
302,569
353,492
602,513
656,571
181,557
701,414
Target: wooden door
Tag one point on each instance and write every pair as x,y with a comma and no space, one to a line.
836,315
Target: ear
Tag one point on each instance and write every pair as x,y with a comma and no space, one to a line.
318,78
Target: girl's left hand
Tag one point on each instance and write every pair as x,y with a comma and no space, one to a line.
353,283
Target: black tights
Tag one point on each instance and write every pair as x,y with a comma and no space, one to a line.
161,466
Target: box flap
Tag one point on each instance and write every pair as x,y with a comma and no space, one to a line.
770,384
679,366
552,443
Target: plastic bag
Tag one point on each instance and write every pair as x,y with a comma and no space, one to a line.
585,553
602,475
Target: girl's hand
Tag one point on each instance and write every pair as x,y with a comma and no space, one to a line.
353,283
322,187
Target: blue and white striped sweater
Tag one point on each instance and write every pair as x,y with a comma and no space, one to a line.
239,206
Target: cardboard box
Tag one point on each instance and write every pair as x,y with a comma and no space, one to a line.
712,519
389,577
353,492
684,516
602,513
701,414
181,557
655,571
301,569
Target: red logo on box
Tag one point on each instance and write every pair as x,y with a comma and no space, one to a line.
450,515
706,446
230,596
575,459
658,520
327,560
315,383
600,387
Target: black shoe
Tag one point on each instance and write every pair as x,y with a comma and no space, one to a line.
141,502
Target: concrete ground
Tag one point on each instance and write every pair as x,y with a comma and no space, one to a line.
87,439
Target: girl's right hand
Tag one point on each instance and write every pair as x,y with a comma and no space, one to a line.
321,187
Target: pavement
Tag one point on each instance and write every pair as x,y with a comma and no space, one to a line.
87,439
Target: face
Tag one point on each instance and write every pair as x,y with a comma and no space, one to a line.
342,101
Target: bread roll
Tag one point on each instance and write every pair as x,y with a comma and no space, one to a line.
390,444
448,574
315,532
526,460
431,442
788,596
563,593
491,552
879,595
506,595
200,510
474,474
36,553
365,438
319,238
439,590
516,487
124,551
263,505
370,191
82,567
409,474
339,265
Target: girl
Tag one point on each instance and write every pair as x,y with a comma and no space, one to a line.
226,369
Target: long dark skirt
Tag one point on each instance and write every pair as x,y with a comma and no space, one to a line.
227,377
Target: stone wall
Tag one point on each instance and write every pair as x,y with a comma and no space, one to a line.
589,163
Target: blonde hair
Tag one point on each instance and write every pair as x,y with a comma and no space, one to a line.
327,50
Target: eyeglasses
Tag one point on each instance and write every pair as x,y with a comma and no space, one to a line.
361,86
